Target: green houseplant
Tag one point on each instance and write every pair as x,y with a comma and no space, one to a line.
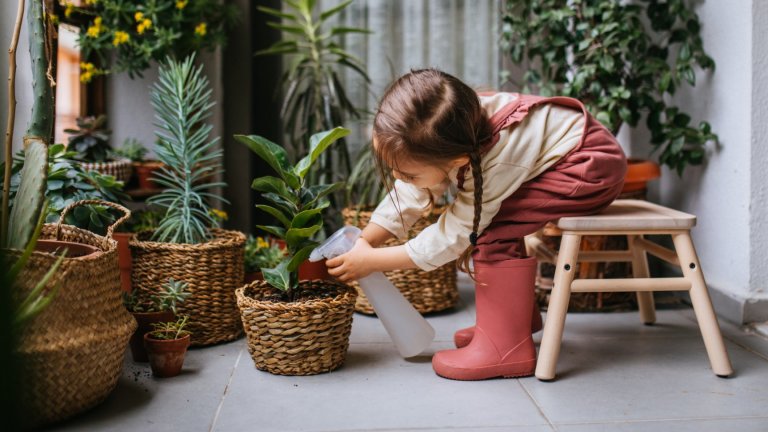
157,308
90,145
314,98
272,309
186,245
259,253
136,32
167,346
143,168
622,59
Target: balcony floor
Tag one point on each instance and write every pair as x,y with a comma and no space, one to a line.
614,374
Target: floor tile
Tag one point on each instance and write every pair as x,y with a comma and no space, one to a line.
141,402
374,390
757,424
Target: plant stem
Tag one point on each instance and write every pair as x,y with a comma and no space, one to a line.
11,120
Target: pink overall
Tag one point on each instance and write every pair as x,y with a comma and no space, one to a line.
584,181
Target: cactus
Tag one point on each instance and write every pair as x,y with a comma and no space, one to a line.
29,200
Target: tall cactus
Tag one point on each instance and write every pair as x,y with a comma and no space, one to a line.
31,195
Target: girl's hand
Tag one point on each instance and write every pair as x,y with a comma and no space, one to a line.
353,265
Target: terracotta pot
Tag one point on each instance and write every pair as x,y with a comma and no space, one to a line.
144,172
166,357
639,173
145,320
124,258
57,247
314,270
253,276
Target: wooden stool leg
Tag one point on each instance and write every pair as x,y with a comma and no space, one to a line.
702,305
558,307
640,270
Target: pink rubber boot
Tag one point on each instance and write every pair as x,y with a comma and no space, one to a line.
462,337
502,345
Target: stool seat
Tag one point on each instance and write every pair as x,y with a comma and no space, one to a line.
634,219
630,215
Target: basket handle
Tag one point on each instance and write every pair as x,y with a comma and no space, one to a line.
110,229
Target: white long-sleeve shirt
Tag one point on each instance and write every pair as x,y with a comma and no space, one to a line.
523,152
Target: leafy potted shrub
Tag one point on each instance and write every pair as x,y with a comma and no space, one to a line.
143,169
136,33
167,346
273,309
90,142
261,253
186,245
624,60
160,307
314,98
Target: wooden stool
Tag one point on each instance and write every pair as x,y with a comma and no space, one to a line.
633,219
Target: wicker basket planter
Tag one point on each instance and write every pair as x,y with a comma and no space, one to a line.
213,271
433,291
119,169
72,353
305,337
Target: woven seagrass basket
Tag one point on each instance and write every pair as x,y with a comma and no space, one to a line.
213,270
120,169
305,337
72,352
432,291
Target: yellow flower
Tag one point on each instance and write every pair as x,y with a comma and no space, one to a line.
144,25
87,71
201,29
138,16
261,243
91,2
96,29
181,4
121,37
69,9
219,214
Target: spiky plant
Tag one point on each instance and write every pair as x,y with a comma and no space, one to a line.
182,101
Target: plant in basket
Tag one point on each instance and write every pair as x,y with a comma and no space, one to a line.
143,168
90,143
261,252
157,308
166,347
187,245
272,309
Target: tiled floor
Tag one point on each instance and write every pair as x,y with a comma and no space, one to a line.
614,374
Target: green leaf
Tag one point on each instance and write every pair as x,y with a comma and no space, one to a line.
279,277
319,191
274,230
304,218
333,11
276,213
272,154
277,13
301,256
317,145
296,235
274,185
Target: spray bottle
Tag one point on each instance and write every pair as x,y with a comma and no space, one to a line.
410,332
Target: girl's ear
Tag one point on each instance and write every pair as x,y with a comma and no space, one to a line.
460,161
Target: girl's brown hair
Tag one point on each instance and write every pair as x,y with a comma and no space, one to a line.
428,116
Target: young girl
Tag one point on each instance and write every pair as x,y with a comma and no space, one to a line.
516,162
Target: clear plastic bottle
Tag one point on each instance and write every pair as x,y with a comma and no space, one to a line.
410,332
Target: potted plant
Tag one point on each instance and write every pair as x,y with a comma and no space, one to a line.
90,143
143,169
273,309
186,245
135,33
159,307
167,346
261,252
624,60
314,98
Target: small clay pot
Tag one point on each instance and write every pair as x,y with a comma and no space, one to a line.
145,320
144,172
166,357
309,270
124,258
